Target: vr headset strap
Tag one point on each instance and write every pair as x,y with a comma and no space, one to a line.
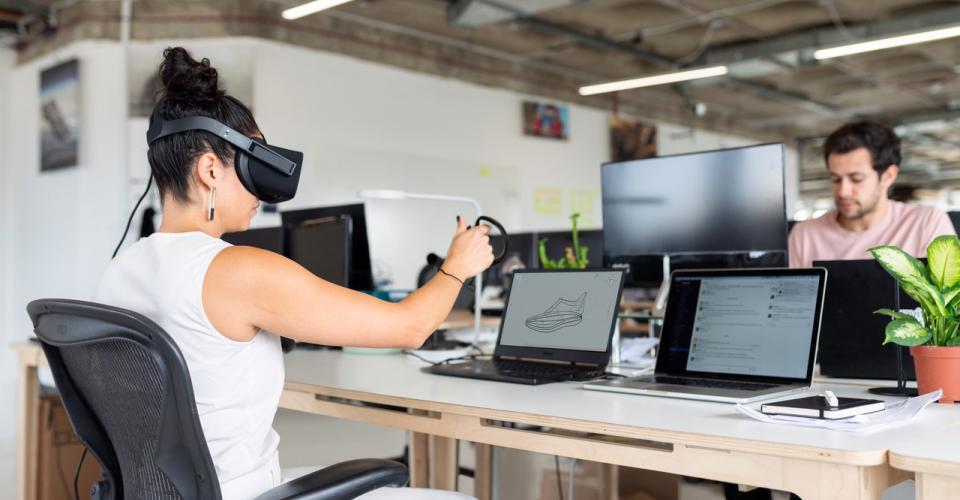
261,152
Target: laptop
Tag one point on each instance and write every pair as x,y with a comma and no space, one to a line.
556,326
737,335
851,343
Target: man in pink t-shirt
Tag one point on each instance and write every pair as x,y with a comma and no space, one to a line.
864,159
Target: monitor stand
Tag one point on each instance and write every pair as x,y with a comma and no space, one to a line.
901,389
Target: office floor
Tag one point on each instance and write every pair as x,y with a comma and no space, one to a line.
308,440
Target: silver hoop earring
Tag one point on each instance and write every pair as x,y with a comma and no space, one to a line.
213,203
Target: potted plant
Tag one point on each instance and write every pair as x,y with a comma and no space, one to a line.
934,338
574,258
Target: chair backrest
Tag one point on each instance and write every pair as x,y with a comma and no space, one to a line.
127,391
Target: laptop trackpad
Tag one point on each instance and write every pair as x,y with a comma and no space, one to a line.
686,389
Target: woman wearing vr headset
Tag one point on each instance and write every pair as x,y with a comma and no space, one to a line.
218,301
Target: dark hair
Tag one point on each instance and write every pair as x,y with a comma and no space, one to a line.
190,88
882,143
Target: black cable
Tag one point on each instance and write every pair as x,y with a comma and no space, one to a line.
132,213
441,362
556,462
76,477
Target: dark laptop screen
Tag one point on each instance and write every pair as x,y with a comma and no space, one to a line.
757,325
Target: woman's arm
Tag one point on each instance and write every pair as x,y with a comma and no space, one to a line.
247,289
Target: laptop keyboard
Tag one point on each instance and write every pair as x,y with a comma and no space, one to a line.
717,384
543,370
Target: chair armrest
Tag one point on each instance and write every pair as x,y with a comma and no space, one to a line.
343,481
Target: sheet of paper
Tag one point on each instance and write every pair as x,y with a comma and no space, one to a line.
894,414
636,351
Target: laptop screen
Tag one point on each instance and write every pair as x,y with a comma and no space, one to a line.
759,324
561,310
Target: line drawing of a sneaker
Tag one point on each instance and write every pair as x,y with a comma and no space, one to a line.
562,314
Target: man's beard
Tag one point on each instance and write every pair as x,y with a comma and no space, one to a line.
862,212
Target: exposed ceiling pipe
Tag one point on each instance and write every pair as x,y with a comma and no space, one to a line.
660,60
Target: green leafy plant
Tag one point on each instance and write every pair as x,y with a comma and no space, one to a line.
935,286
574,258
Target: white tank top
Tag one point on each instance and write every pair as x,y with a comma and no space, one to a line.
237,385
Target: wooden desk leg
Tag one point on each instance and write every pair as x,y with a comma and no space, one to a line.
934,486
609,482
824,481
27,435
483,472
419,460
443,463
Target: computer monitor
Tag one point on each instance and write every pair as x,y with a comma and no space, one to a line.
322,246
851,342
955,219
704,206
522,248
360,275
266,238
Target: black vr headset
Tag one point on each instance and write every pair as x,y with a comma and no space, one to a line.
268,172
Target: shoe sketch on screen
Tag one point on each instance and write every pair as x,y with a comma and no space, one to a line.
562,314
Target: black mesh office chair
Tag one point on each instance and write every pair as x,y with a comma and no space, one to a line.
127,391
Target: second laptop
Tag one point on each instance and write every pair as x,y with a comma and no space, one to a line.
735,336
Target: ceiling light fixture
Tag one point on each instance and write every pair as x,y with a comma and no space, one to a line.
310,8
887,43
649,81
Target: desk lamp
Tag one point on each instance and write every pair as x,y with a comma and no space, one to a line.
393,194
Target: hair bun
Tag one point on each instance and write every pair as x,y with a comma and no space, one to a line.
187,79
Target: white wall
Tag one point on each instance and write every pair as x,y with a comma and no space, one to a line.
60,227
364,125
8,361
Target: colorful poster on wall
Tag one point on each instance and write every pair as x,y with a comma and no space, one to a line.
631,140
59,115
544,119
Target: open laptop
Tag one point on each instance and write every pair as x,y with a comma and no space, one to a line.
556,326
736,335
851,343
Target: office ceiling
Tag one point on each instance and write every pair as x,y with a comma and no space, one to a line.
775,87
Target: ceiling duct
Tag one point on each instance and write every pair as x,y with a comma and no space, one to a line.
472,13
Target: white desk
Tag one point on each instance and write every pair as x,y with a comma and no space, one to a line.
935,459
708,440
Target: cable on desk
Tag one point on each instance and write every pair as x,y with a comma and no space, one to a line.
444,361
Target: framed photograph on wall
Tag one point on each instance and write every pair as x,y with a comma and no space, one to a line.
59,115
544,119
631,140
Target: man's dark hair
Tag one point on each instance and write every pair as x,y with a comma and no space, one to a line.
882,143
190,88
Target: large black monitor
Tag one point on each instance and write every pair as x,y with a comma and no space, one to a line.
955,220
360,275
322,246
715,203
267,238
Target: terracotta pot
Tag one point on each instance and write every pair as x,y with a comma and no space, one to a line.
938,368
